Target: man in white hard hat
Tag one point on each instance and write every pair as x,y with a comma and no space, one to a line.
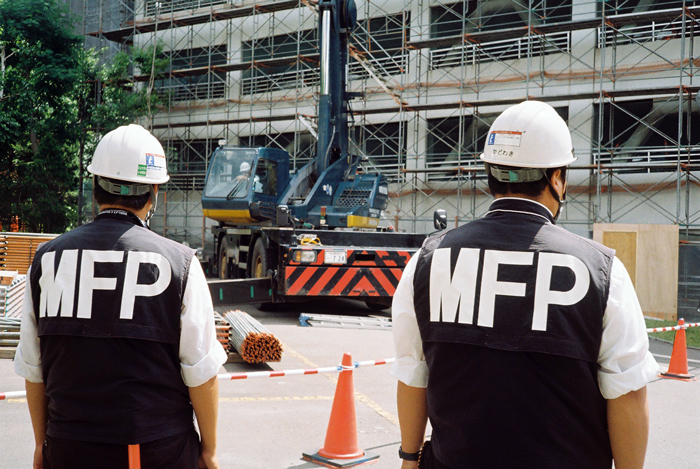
522,343
244,172
118,344
243,179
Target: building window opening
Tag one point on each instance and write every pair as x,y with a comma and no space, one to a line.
204,84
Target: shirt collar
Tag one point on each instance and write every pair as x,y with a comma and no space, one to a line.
119,214
520,205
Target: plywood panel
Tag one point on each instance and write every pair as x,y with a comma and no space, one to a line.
654,269
17,250
657,278
625,245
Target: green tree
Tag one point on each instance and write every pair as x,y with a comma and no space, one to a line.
56,100
39,55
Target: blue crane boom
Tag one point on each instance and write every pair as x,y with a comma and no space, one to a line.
315,232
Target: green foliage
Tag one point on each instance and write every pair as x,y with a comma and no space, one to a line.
40,59
56,100
122,99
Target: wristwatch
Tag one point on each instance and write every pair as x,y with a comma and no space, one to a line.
408,456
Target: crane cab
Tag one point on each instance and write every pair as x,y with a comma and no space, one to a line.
243,185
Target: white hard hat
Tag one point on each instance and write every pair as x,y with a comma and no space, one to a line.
130,153
245,167
529,135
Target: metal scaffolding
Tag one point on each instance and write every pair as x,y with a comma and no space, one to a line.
431,76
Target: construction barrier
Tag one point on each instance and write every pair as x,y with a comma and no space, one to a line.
259,374
673,328
678,366
340,368
309,371
12,395
340,448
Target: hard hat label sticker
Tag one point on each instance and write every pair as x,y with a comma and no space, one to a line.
155,165
503,137
141,171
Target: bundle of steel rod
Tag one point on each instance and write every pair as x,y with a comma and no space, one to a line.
9,332
223,331
251,339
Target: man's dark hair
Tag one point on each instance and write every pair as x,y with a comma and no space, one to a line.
133,202
532,189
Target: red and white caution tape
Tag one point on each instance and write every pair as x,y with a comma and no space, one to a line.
316,371
12,395
258,374
673,328
308,371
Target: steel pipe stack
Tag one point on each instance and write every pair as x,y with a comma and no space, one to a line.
11,297
223,331
251,339
9,335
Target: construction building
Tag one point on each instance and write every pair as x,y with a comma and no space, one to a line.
430,77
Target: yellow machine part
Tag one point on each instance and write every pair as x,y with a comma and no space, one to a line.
362,222
230,216
243,216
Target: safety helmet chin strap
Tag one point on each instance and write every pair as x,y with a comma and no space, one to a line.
561,200
154,204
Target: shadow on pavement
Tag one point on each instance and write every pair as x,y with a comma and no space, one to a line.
287,314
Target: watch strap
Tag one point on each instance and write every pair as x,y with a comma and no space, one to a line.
408,456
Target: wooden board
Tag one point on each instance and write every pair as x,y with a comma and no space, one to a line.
17,249
625,245
654,265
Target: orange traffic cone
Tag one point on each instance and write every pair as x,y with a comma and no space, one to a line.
340,448
678,366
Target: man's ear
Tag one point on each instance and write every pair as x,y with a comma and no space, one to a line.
558,181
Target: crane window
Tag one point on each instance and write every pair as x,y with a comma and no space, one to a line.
229,175
265,177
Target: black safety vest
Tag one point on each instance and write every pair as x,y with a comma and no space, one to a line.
107,297
510,311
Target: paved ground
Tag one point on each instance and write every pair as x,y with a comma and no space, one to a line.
267,423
